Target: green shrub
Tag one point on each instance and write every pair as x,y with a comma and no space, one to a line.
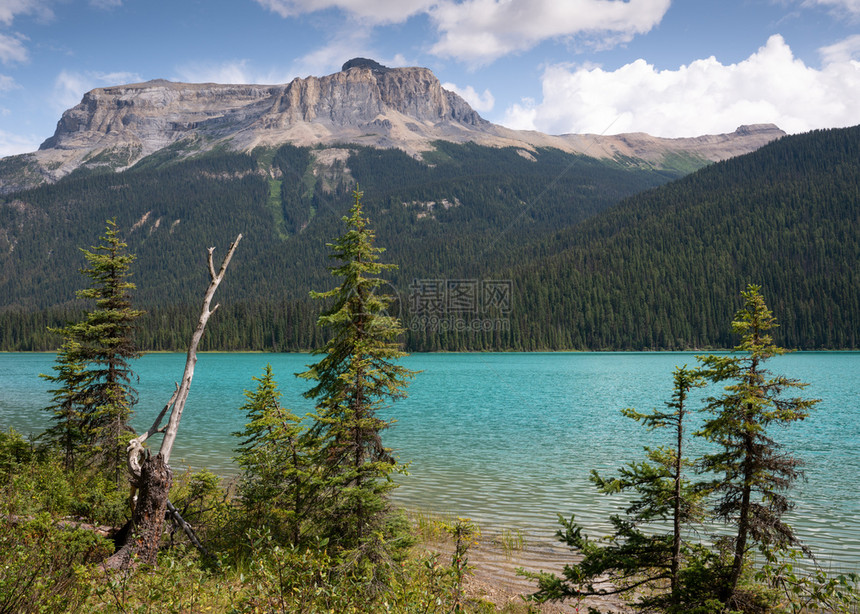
15,450
302,579
205,504
179,584
41,565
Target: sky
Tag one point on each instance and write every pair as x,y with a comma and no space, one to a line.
668,68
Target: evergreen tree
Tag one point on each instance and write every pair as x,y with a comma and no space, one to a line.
665,493
71,376
749,476
95,399
356,377
753,472
276,456
637,559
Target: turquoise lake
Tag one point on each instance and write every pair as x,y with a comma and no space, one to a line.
507,439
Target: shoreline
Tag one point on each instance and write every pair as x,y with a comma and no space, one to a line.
494,576
472,352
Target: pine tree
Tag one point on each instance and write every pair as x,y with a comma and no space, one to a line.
276,455
95,399
665,492
357,377
753,472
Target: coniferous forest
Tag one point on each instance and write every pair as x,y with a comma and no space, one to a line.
591,254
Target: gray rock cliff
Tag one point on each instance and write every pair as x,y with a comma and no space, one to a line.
365,104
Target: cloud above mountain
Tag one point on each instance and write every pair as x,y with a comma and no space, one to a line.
481,102
480,31
372,11
705,96
70,85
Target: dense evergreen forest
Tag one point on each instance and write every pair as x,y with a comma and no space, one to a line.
598,255
661,269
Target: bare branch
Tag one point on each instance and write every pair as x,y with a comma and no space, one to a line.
187,529
211,265
191,360
135,446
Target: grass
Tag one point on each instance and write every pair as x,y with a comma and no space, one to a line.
430,526
510,541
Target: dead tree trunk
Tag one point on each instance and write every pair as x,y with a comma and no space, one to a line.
148,517
150,475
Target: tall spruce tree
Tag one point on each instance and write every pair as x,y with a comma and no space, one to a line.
752,471
357,376
95,397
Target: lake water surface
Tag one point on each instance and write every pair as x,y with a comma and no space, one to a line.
507,439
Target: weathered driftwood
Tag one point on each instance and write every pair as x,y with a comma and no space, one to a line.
150,475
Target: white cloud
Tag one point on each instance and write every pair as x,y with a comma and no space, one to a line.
230,72
480,102
704,97
347,43
843,51
330,57
481,31
70,86
371,11
842,6
12,144
234,71
9,9
106,4
12,49
7,83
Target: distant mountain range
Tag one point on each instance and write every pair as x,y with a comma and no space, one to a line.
623,242
364,104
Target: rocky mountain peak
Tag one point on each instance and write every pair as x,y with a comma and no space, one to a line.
365,103
364,63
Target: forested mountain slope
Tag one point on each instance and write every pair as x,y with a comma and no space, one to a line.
467,210
664,268
661,269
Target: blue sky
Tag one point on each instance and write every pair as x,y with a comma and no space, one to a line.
668,68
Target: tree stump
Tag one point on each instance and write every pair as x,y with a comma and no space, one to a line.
149,513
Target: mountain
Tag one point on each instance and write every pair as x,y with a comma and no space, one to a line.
468,210
364,104
603,242
664,269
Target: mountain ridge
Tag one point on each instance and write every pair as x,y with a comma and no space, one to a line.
364,104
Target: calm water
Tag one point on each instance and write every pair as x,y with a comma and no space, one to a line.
506,439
